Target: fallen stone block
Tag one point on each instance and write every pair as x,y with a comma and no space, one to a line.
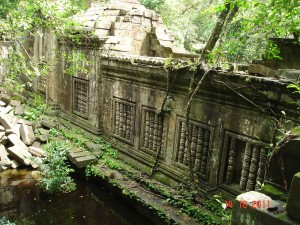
261,70
27,134
42,138
43,131
6,110
4,156
27,122
5,98
293,203
2,134
96,148
6,123
13,138
48,124
2,104
2,129
37,151
17,130
36,144
259,209
19,110
15,103
14,164
3,140
82,162
20,155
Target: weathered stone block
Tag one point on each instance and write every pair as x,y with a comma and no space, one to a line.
48,124
6,123
23,121
6,110
82,162
2,104
261,70
19,110
27,134
96,148
37,151
252,208
20,154
293,203
42,138
15,103
5,98
36,144
13,138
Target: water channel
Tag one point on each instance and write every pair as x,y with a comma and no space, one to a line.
22,202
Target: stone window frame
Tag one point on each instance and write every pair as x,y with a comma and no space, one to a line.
164,136
202,125
225,157
126,102
87,82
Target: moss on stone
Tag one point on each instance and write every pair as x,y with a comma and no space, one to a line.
273,192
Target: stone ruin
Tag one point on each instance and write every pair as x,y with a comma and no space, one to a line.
118,90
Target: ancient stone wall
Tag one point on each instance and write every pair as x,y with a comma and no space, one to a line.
233,116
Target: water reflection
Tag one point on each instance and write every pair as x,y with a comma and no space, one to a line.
22,200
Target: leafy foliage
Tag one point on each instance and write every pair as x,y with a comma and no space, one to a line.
55,172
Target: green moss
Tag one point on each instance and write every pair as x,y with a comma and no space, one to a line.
273,192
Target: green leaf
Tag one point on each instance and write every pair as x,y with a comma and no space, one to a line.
295,131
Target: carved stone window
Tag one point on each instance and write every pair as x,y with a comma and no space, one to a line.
124,116
200,136
245,162
153,132
80,97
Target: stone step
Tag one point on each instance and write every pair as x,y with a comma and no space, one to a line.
80,157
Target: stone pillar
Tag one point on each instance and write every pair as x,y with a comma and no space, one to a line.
293,203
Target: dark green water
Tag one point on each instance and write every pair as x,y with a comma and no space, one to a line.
23,203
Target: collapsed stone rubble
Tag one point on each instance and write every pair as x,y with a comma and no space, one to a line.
20,139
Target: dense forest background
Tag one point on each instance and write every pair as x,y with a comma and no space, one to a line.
248,24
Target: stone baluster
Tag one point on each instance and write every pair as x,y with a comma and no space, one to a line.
199,149
121,120
155,136
231,161
194,143
246,166
151,132
181,143
147,129
128,123
117,124
261,167
253,169
205,152
185,159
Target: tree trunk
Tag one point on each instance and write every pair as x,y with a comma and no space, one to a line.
215,35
